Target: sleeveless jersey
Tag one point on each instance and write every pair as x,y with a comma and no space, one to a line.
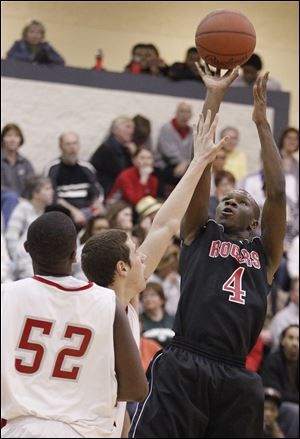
58,353
134,324
223,293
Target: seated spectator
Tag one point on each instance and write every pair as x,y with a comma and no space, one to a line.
281,372
5,262
136,182
155,65
288,145
167,275
75,181
250,71
174,148
32,48
287,316
236,162
157,323
115,153
217,165
138,62
119,216
142,132
95,225
271,411
293,258
15,169
40,194
224,183
254,184
146,210
187,69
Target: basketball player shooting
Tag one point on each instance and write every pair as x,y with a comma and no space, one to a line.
199,386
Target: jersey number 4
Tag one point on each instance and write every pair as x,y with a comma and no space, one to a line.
40,350
234,286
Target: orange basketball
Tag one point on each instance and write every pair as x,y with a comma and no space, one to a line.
225,38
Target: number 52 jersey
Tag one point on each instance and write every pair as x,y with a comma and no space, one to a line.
224,292
58,353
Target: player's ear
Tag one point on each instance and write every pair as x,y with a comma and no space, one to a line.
254,224
122,268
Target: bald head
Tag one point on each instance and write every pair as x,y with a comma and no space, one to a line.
69,144
183,114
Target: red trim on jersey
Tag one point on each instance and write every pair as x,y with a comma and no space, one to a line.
54,284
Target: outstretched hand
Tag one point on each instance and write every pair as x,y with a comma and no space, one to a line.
259,114
214,81
205,150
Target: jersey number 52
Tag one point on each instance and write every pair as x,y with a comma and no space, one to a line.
40,350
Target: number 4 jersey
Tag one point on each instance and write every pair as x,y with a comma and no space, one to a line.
223,293
58,353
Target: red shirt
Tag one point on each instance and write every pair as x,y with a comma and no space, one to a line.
255,356
182,131
128,183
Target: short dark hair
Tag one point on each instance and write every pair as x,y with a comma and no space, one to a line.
221,175
256,209
11,126
284,134
191,50
51,239
254,61
152,47
157,288
138,46
101,253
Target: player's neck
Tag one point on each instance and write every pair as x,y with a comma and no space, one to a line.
44,271
239,236
119,288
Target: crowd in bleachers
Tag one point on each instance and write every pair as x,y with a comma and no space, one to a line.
123,185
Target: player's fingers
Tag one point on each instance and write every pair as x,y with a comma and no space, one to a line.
218,72
207,69
222,143
199,68
200,124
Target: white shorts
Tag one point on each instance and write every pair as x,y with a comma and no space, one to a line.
31,427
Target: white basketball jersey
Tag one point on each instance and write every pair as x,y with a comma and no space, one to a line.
134,324
58,353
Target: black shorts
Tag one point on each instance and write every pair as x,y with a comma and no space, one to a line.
192,396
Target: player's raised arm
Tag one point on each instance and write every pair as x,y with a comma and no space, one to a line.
273,223
167,220
132,383
197,212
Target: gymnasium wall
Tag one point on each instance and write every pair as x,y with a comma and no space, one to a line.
77,29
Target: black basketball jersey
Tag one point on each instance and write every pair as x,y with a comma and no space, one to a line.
223,293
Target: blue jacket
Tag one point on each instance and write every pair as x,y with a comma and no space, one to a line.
45,54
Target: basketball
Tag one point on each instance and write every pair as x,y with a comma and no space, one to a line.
225,39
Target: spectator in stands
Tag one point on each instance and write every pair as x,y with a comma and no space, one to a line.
174,149
271,411
167,275
224,183
254,184
75,181
155,64
236,162
157,323
146,209
14,169
148,348
5,262
137,181
217,165
287,316
187,69
250,71
293,258
255,356
142,131
281,371
288,145
115,153
40,194
138,62
32,47
119,216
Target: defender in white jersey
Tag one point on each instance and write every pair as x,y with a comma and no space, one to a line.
112,260
68,353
